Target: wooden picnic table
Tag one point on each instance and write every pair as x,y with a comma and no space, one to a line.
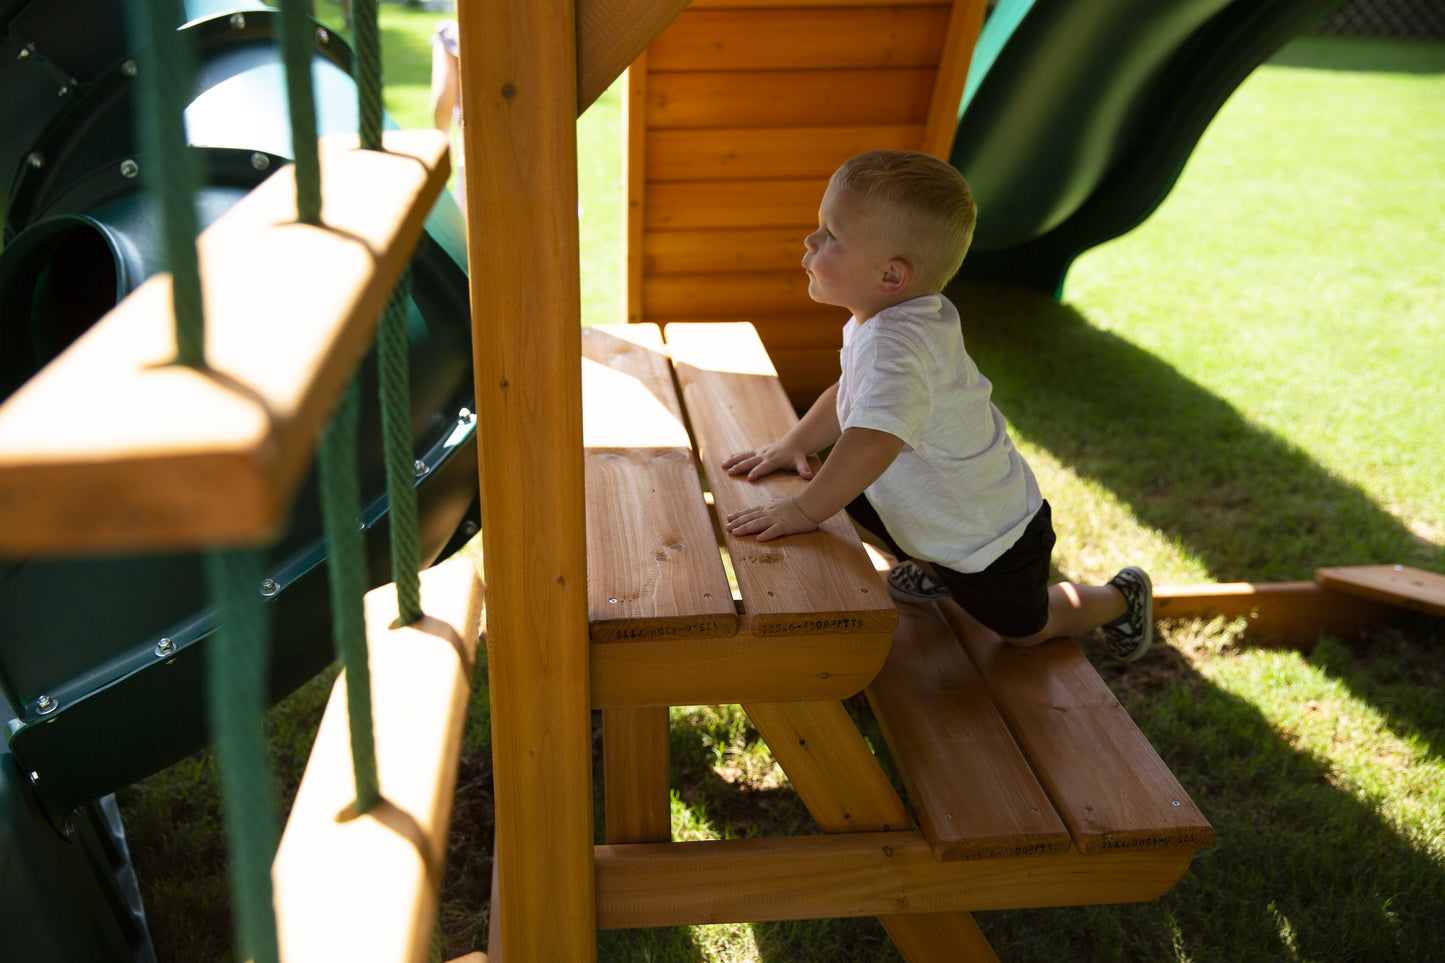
1027,784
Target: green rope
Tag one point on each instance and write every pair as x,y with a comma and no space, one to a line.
297,34
171,169
346,571
236,698
393,350
368,73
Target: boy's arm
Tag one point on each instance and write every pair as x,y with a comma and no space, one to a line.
859,457
816,430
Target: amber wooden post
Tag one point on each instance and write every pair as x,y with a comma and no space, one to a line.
519,97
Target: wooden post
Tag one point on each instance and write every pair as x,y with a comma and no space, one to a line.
519,97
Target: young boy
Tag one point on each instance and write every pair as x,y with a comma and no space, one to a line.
921,456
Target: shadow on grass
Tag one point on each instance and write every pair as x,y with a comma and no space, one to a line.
1247,503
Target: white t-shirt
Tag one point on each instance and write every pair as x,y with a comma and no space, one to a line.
959,493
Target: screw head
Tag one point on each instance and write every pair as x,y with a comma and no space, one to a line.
164,648
260,161
129,68
129,168
238,21
419,467
35,159
269,587
322,35
45,705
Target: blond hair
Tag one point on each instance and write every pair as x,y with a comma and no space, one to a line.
922,204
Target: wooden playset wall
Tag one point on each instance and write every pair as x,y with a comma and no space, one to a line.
737,115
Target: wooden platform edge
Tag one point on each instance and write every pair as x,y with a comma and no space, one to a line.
366,887
1292,614
1399,585
177,458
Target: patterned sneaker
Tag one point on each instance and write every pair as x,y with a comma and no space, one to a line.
1129,636
909,583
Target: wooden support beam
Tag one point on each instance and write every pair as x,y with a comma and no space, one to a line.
856,874
112,447
964,24
519,85
612,34
330,901
684,670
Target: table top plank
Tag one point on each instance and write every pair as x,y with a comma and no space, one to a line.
811,583
653,566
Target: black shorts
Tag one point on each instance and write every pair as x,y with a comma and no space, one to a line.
1011,596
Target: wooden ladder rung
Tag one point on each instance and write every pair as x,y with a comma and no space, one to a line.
365,887
112,447
1105,780
972,790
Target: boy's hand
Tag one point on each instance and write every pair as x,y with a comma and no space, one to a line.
757,462
782,517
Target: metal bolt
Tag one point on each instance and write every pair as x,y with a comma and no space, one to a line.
322,36
129,68
35,159
62,91
1175,802
164,648
45,705
269,587
419,467
465,416
613,601
238,21
260,161
948,815
129,168
24,52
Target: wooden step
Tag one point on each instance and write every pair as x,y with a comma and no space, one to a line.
1107,783
972,790
179,457
352,887
1399,585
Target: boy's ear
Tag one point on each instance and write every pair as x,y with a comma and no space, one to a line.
896,276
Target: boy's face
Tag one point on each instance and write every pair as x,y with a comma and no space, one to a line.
847,260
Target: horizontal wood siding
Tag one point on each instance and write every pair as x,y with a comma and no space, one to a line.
786,98
741,112
771,152
797,39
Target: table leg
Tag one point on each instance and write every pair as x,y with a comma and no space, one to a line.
839,780
636,783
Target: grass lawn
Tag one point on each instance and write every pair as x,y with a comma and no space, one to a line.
1243,388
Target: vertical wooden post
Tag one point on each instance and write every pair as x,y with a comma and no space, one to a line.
519,106
634,137
964,25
